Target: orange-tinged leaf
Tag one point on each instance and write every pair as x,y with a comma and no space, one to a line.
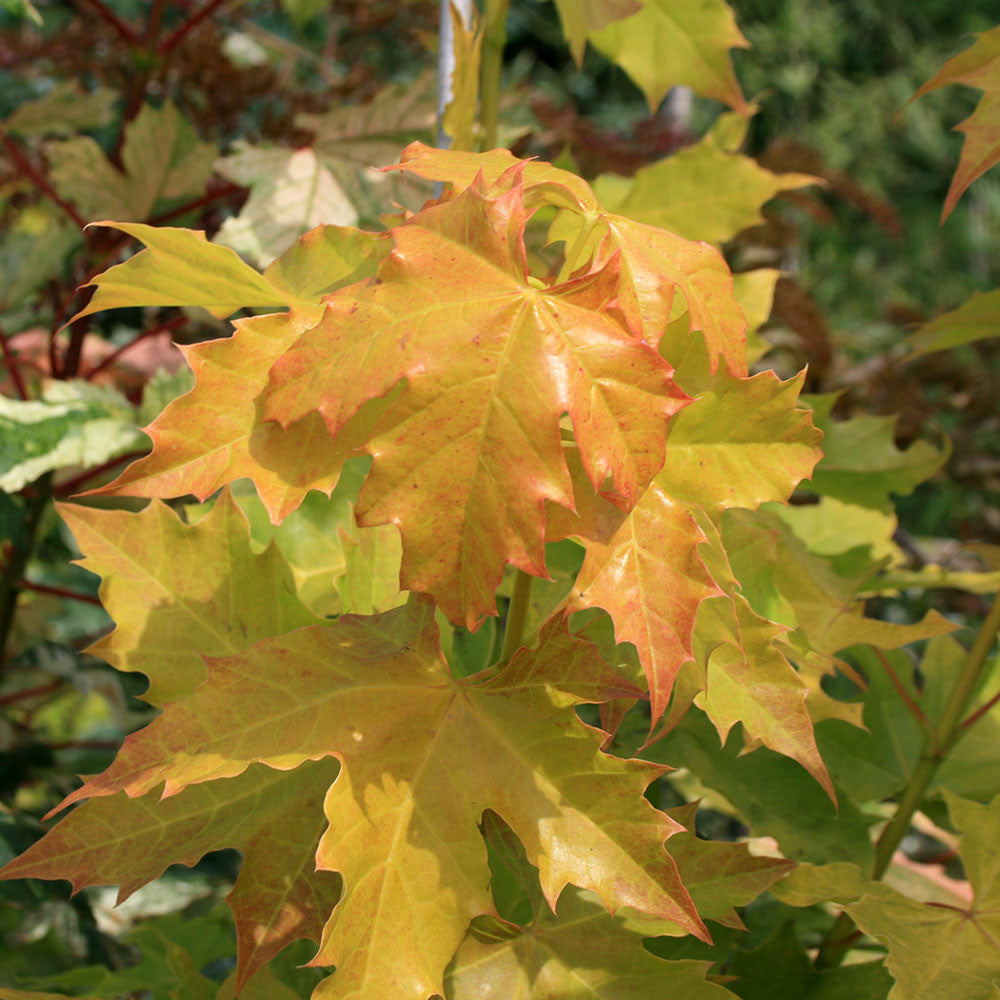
274,818
978,66
673,43
643,568
580,17
423,755
177,591
217,432
472,449
655,264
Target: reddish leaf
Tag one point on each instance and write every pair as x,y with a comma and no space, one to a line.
979,67
472,449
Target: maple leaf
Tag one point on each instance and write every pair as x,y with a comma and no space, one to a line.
177,591
423,755
217,432
580,17
291,192
702,192
491,362
654,264
943,951
978,66
274,818
975,319
671,43
581,951
163,160
745,444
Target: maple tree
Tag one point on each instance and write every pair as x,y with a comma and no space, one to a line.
489,534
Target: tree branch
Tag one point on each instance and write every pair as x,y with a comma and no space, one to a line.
12,366
38,179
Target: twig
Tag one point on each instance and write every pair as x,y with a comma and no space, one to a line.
206,199
44,588
179,33
11,362
167,327
68,488
128,33
915,710
37,178
16,696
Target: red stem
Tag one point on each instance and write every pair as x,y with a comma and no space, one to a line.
915,710
12,366
177,36
128,33
168,327
16,696
44,588
38,179
979,713
69,487
207,199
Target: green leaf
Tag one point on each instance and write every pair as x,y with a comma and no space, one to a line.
73,424
403,820
944,952
580,17
978,66
580,953
179,591
66,109
701,192
782,968
34,248
673,43
973,320
179,267
22,8
861,463
129,842
770,793
163,159
291,192
303,11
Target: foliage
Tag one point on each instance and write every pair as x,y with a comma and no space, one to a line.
524,631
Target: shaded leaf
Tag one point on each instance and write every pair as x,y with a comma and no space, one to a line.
73,424
278,898
163,161
781,967
944,952
66,108
291,192
973,320
861,463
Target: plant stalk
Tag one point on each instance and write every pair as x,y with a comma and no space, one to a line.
517,614
937,744
494,39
